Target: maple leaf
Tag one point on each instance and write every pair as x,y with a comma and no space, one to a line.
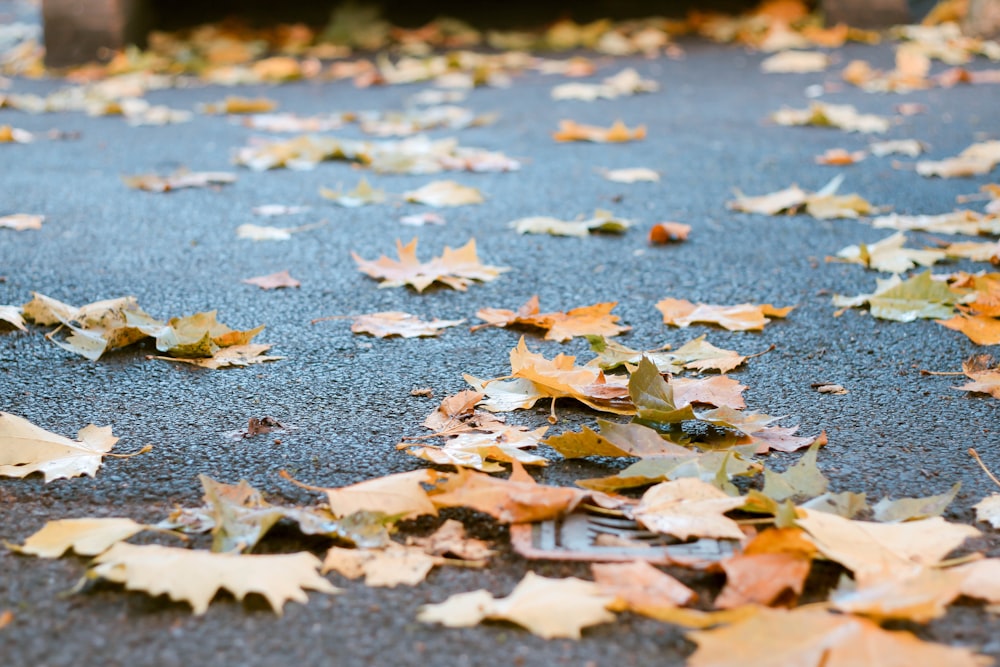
741,317
909,509
193,336
910,147
977,159
624,84
688,507
984,375
234,355
518,499
603,221
798,62
454,268
399,495
450,538
773,579
882,551
26,448
977,252
535,377
595,320
641,588
179,180
86,537
12,316
363,195
824,205
956,222
988,510
653,397
273,281
94,328
920,598
696,354
801,479
842,116
476,449
631,175
458,414
196,576
20,222
889,255
549,608
572,131
668,232
789,199
905,301
393,565
239,105
713,467
616,440
445,193
847,505
394,323
981,579
811,637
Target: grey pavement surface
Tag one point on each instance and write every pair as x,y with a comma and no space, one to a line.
896,433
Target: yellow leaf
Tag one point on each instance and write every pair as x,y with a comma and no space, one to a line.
688,507
26,448
741,317
572,131
454,268
391,566
445,193
87,537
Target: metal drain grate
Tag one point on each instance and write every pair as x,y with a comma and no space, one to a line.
595,534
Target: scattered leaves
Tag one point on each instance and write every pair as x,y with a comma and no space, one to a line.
975,160
889,255
363,195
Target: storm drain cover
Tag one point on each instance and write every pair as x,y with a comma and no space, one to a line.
594,534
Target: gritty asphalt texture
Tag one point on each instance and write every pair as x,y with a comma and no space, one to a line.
896,433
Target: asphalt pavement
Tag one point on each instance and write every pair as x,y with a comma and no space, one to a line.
896,432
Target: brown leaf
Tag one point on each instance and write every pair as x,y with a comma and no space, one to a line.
763,578
234,355
273,281
839,157
239,105
572,131
395,564
6,617
450,539
668,232
454,268
984,375
405,325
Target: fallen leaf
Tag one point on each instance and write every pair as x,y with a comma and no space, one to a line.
798,62
603,221
800,480
273,210
86,537
273,281
196,576
981,579
839,157
977,252
842,116
394,565
267,233
450,539
688,507
478,449
975,160
741,317
20,222
696,354
810,637
616,440
363,195
410,122
14,135
595,320
846,504
878,552
988,510
234,355
394,323
454,268
829,388
771,579
239,105
6,618
640,588
26,448
905,301
631,175
889,255
179,180
668,232
713,467
289,122
400,494
909,509
624,84
956,222
445,193
789,199
618,133
12,316
984,375
910,147
421,219
549,608
920,598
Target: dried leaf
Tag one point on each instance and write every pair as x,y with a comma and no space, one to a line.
398,495
603,221
641,588
988,510
239,105
12,316
450,539
631,175
618,133
179,180
454,268
394,565
842,116
909,147
975,160
981,579
549,608
688,507
668,232
273,281
421,219
196,576
889,255
476,449
624,84
26,448
797,62
984,375
363,195
956,222
920,598
789,199
445,193
595,320
905,301
772,579
273,210
803,480
405,325
741,317
86,537
838,157
94,328
909,509
234,355
20,222
713,467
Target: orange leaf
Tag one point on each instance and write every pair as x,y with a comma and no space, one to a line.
618,132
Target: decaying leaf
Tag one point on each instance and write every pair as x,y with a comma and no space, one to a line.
688,507
549,608
889,255
975,160
445,193
454,268
773,579
616,440
20,222
273,281
640,588
741,317
363,195
799,62
668,232
877,552
618,133
26,448
86,537
910,509
603,221
905,301
179,180
196,576
595,320
988,510
631,175
391,566
395,323
811,637
842,116
985,375
12,315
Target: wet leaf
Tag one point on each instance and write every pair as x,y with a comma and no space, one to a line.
394,323
26,448
454,268
196,576
549,608
616,440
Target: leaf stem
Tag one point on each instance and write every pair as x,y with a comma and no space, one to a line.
974,454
